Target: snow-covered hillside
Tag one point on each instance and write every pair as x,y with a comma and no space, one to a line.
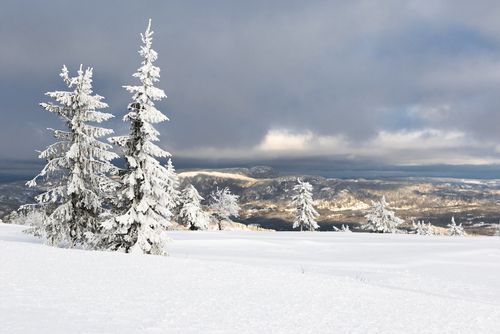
254,282
217,174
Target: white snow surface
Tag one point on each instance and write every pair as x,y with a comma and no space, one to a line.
225,175
254,282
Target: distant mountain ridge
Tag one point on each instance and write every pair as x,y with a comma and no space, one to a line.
343,168
265,197
265,200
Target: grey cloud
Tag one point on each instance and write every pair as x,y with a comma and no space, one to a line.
235,70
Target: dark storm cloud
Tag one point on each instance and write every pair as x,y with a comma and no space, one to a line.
235,71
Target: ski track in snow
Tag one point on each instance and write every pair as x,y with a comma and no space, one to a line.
254,282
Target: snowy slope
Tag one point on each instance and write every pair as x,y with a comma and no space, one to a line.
217,174
255,282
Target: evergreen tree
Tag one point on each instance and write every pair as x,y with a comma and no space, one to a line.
343,228
78,164
224,205
382,220
191,213
305,214
141,227
421,228
172,188
454,229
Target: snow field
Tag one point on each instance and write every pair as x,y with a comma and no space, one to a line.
254,282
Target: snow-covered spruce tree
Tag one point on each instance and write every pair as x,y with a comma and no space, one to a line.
454,229
421,228
172,188
224,205
78,164
382,220
143,200
343,228
191,213
302,201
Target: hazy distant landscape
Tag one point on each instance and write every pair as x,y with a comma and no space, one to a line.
319,166
265,197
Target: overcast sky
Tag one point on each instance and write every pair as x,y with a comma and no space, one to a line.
403,82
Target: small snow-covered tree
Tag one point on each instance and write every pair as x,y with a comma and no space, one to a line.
143,199
421,228
454,229
305,213
343,228
497,230
78,164
382,220
172,187
29,215
224,205
191,213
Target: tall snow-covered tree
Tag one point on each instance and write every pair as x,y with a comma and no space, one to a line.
224,205
454,229
382,220
305,213
145,205
191,213
78,164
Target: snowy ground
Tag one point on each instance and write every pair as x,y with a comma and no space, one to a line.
255,282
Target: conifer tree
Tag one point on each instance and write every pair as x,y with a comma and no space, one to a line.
382,220
305,214
421,228
78,165
344,228
191,212
172,188
145,205
454,229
